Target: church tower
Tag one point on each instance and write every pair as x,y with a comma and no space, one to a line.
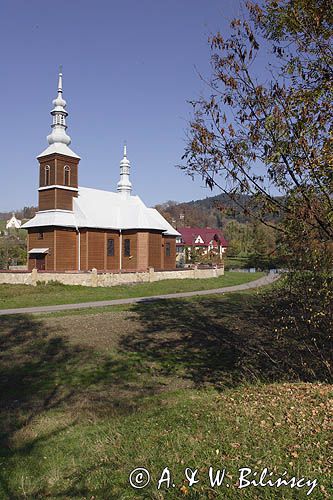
58,164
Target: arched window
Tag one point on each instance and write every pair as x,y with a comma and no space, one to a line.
66,175
47,175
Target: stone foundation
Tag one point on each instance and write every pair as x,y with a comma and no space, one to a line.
94,278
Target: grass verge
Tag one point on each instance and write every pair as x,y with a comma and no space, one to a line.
197,383
12,296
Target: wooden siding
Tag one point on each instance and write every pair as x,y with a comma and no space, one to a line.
57,162
147,249
155,243
169,262
130,262
66,249
96,248
83,250
64,199
143,250
47,199
56,198
112,263
46,242
73,165
43,164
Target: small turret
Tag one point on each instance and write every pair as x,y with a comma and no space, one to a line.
124,186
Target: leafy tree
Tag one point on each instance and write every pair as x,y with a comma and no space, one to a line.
265,131
253,133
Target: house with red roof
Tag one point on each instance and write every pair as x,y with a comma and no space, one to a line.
204,240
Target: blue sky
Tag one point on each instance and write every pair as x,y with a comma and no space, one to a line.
129,67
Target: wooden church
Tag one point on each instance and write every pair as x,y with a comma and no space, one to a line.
78,229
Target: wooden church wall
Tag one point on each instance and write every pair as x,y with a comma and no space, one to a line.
96,249
83,250
147,249
169,262
47,199
155,244
66,249
34,241
57,164
130,262
112,262
143,250
64,199
56,198
42,178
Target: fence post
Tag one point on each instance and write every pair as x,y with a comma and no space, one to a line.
151,274
34,277
94,277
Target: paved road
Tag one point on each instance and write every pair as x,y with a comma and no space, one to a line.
265,280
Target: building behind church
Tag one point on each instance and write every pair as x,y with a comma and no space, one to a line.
78,229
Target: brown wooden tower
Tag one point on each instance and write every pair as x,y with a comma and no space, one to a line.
77,229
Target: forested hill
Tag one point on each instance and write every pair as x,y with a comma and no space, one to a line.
214,211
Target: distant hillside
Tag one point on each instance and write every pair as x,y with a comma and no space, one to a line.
214,211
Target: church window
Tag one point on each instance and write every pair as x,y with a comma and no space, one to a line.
47,175
66,175
40,236
167,249
111,247
127,248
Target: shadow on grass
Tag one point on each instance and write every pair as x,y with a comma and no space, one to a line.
223,342
42,371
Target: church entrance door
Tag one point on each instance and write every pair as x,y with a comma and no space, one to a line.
40,262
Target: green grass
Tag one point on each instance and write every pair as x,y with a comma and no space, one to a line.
236,262
176,383
12,296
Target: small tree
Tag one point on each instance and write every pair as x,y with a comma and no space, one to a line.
250,135
269,131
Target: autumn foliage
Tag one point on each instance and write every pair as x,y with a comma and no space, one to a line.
265,129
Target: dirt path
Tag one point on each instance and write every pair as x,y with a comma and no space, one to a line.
265,280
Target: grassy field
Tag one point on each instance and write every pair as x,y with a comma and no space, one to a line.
12,296
258,262
84,399
236,262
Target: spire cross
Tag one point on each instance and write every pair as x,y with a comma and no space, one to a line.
60,80
59,114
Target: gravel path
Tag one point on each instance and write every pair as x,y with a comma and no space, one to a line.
265,280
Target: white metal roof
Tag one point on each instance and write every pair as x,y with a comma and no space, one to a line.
60,148
95,208
38,250
61,218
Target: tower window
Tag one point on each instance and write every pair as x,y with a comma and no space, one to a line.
40,236
127,248
167,249
47,175
66,175
111,247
